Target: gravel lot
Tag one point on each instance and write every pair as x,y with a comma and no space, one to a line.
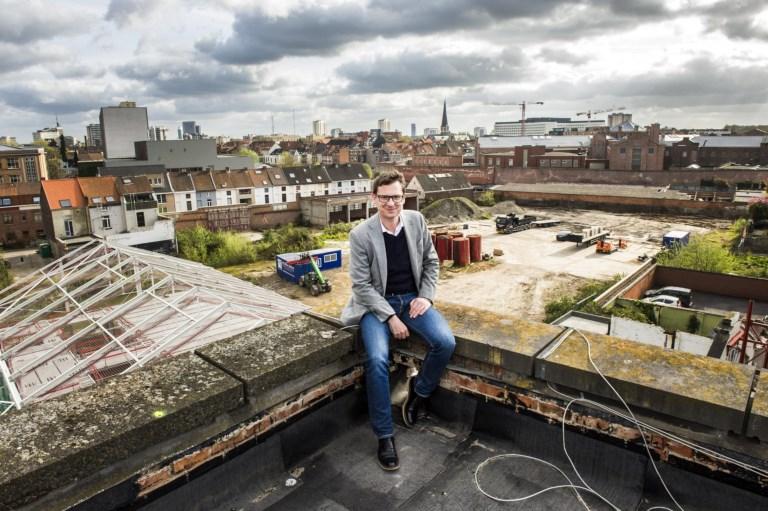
534,269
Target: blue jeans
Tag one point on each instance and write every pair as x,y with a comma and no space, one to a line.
430,326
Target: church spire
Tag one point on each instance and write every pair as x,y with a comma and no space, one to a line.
444,130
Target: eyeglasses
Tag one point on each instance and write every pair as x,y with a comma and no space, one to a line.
396,199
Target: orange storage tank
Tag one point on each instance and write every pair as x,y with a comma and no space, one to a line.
460,251
475,247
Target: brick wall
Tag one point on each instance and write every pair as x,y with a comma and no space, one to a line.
260,217
627,177
625,204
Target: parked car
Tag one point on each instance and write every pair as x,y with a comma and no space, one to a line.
683,293
664,300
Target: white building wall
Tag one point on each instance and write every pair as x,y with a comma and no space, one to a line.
161,230
114,214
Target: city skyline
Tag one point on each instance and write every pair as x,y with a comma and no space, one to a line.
233,65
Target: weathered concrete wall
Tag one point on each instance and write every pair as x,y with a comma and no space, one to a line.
673,319
627,177
625,204
714,283
258,217
235,390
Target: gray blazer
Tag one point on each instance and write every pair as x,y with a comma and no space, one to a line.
368,266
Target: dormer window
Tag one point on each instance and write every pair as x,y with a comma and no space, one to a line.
65,203
96,200
110,198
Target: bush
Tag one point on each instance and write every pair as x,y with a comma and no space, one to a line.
215,249
6,279
338,231
288,238
486,198
637,311
700,255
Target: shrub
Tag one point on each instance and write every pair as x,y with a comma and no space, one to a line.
486,198
288,238
5,276
215,249
699,255
338,231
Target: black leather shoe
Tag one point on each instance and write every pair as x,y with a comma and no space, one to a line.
388,454
414,407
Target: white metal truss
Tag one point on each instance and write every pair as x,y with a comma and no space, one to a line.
106,309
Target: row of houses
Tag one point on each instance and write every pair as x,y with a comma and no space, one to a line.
178,192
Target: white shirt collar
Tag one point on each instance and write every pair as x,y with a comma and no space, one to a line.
397,229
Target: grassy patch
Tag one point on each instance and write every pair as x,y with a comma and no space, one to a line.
581,300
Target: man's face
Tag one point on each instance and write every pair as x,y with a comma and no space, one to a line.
389,209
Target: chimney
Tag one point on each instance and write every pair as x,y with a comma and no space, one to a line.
654,132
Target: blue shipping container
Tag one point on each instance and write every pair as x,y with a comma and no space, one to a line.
291,266
673,238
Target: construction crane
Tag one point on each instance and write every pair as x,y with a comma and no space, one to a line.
589,113
522,111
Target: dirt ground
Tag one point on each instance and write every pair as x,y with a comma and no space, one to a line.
534,268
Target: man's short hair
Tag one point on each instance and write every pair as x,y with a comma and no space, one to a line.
387,177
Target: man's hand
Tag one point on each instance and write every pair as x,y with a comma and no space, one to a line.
418,307
398,328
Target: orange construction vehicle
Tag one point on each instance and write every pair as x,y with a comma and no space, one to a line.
609,247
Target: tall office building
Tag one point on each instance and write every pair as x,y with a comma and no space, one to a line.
318,128
190,130
413,129
121,126
93,134
384,125
479,131
158,133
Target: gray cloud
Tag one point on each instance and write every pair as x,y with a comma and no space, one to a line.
736,19
50,103
125,12
561,56
411,71
316,30
701,81
33,21
177,78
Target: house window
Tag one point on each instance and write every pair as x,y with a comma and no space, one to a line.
110,198
5,201
161,198
65,203
636,155
30,167
329,258
209,202
188,196
338,184
37,217
7,219
189,205
650,150
14,179
162,209
622,150
13,163
69,228
245,191
140,219
96,200
106,223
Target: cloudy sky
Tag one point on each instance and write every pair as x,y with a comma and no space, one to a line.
232,65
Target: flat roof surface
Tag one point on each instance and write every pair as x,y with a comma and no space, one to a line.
438,460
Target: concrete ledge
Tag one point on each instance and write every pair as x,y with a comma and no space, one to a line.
507,343
757,422
693,388
53,443
278,352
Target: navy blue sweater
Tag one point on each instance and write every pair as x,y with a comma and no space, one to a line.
399,272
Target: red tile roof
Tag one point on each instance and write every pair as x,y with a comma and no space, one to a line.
58,190
103,189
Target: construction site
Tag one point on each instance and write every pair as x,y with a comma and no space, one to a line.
134,380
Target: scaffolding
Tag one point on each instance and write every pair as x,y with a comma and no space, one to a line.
106,309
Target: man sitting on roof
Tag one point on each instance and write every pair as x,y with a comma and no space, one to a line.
394,267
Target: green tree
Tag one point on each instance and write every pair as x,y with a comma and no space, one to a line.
5,276
52,160
288,160
253,155
63,147
758,210
701,255
368,170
